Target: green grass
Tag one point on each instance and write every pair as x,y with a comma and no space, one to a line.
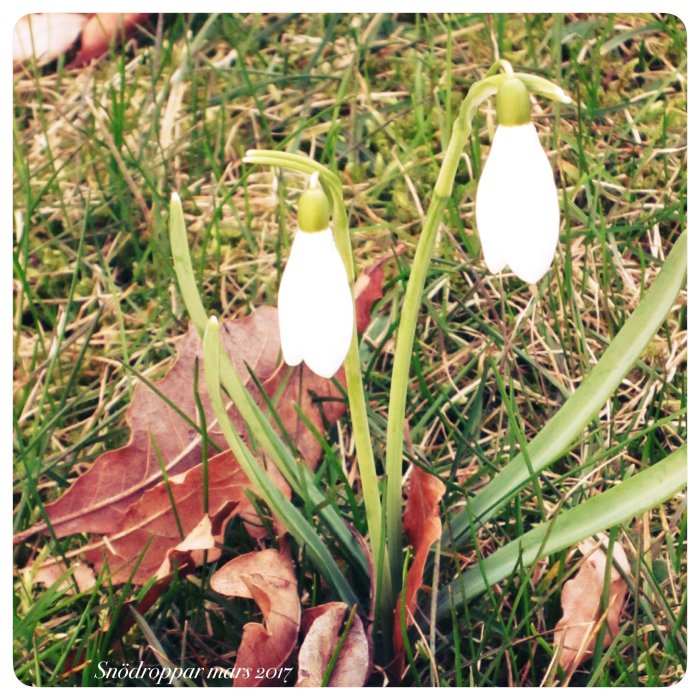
97,154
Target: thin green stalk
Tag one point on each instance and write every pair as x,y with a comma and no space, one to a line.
294,522
480,91
399,382
353,371
166,481
409,316
182,264
361,435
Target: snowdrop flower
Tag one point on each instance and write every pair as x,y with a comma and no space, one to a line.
316,313
517,207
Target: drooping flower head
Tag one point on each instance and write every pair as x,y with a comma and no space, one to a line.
517,207
316,313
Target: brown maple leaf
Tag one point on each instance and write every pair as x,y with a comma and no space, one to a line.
164,436
268,578
170,520
123,496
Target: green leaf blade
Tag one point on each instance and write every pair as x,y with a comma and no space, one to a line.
616,505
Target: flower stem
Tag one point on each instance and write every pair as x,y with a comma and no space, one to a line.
461,130
399,383
383,591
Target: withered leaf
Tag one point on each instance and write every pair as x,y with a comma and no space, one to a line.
369,283
48,573
102,30
150,532
422,525
577,630
99,499
267,577
324,625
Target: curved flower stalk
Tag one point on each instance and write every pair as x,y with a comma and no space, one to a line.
461,130
315,303
517,207
383,588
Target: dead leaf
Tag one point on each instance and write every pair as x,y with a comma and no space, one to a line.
577,630
102,30
149,534
45,36
267,577
422,525
369,282
50,572
100,498
323,626
123,496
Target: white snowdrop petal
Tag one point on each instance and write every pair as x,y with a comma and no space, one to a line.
331,308
315,305
530,247
489,208
520,209
291,301
532,252
325,355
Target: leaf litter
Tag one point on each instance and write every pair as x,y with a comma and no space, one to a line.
145,526
577,630
323,628
423,527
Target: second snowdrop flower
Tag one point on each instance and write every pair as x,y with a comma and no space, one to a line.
316,313
517,207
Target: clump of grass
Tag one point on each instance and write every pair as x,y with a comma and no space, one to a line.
97,153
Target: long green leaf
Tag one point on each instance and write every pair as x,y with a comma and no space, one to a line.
254,418
296,524
584,404
618,504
